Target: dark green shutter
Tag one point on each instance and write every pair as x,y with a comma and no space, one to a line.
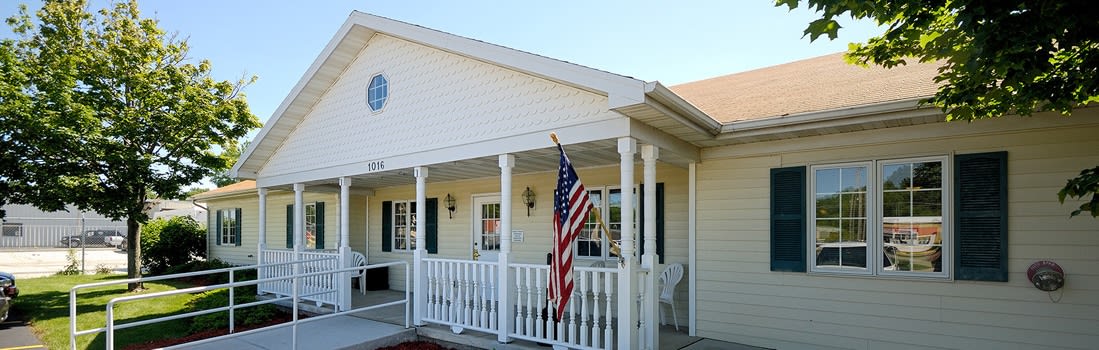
217,227
659,220
290,226
980,211
788,219
387,226
236,227
320,225
432,216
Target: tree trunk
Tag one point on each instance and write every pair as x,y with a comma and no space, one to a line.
133,253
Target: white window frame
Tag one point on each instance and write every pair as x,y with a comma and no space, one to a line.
604,211
410,217
370,88
874,219
310,218
225,232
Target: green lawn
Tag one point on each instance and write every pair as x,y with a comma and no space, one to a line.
45,303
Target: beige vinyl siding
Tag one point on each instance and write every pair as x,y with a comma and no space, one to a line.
276,223
245,253
455,235
741,300
276,217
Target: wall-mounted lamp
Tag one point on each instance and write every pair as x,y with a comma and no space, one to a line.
1046,275
449,201
528,199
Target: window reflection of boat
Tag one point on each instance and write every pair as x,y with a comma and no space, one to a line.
919,254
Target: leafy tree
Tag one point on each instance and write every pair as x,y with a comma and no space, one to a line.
221,178
998,57
102,109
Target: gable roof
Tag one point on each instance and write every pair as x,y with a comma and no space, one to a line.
356,32
816,84
227,190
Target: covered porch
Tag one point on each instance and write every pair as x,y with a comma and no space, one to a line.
485,271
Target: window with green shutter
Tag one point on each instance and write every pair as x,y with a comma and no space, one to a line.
891,217
399,225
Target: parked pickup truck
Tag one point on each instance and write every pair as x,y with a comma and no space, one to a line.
110,238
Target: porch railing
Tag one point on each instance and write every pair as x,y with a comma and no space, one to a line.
462,294
318,288
589,321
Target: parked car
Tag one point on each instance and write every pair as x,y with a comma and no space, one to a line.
94,237
8,292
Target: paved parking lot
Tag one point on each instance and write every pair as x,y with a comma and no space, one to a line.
36,262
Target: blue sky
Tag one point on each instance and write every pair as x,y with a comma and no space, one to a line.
672,42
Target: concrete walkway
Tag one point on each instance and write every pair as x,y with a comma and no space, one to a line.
339,332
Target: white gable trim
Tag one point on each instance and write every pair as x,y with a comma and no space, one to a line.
352,37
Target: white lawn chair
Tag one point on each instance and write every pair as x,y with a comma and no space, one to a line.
670,278
357,259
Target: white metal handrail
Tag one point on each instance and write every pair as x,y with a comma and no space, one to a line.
73,332
111,327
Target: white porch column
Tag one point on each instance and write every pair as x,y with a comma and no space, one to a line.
503,281
649,153
261,226
344,285
299,219
261,241
419,289
627,267
692,256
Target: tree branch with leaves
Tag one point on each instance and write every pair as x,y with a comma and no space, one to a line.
997,57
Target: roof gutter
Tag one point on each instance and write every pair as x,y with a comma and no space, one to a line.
674,106
845,115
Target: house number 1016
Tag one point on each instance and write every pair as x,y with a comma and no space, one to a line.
377,165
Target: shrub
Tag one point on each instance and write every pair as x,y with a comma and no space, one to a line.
220,298
72,266
103,269
171,242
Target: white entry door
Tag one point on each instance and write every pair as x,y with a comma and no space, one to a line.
486,228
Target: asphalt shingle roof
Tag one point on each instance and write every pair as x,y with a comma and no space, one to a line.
815,84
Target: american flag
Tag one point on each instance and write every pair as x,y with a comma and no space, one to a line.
571,206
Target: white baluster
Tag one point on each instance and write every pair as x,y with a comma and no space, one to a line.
493,291
608,291
531,308
595,329
585,276
520,326
463,271
572,310
483,309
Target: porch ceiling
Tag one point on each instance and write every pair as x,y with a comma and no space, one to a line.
583,155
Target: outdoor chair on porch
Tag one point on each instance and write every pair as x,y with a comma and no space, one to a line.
670,278
357,259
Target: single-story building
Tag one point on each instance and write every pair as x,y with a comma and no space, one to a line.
814,204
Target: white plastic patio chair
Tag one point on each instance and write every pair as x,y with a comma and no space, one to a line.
357,259
670,278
